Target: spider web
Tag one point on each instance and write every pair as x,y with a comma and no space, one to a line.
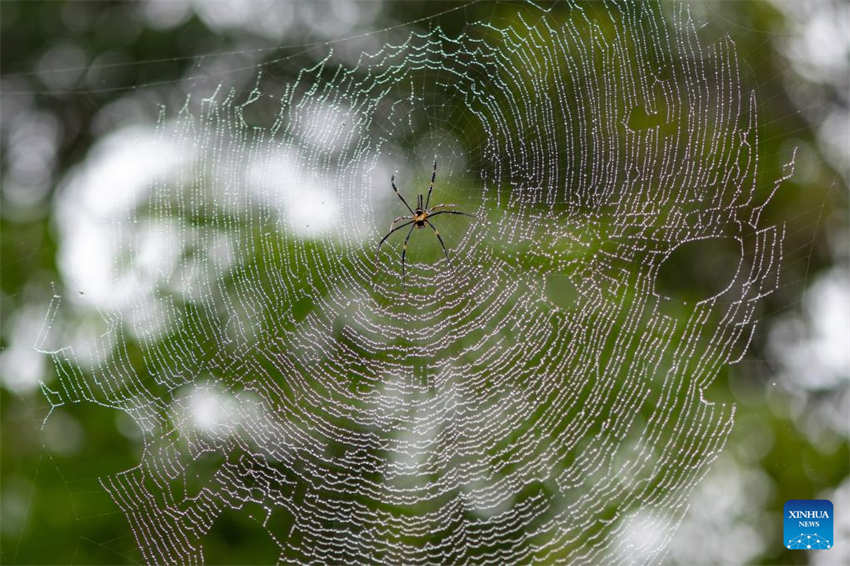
535,397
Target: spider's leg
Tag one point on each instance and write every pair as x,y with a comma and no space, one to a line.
398,194
397,219
437,233
436,206
450,212
404,250
384,239
431,187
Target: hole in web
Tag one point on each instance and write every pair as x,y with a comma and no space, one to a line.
700,269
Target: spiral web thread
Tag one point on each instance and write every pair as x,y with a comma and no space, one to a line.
461,414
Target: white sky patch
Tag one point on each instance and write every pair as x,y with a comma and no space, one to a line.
121,169
214,412
328,127
21,366
166,14
267,18
840,551
270,19
725,522
209,410
821,44
108,261
302,198
312,212
642,537
818,48
834,133
93,211
812,348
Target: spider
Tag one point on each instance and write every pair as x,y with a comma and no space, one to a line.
419,218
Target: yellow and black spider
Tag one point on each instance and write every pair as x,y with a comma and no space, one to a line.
419,218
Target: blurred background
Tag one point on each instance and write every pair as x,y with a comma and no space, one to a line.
81,89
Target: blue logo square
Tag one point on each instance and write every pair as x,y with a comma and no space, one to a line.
808,524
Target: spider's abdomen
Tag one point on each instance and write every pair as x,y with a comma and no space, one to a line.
420,223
